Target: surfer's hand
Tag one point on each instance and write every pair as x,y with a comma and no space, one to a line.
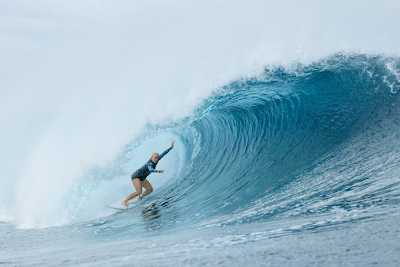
161,171
172,145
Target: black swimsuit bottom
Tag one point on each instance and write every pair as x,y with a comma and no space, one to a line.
138,176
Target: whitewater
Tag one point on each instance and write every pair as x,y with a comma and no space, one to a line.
285,117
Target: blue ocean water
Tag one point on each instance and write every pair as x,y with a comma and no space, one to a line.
293,167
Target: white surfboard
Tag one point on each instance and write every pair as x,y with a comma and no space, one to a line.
118,207
130,205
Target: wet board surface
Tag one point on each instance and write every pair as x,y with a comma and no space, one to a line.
119,207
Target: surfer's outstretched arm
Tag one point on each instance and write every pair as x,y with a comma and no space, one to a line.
151,168
166,151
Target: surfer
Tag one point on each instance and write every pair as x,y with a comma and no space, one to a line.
139,176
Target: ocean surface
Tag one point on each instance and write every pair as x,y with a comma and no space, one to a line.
285,117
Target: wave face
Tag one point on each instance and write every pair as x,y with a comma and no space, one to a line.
313,149
297,142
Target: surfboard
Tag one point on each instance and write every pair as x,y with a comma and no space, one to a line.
119,207
130,205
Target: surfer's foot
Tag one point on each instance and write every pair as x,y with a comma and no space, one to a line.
124,203
140,197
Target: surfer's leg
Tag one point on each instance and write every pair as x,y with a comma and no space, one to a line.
138,186
146,184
